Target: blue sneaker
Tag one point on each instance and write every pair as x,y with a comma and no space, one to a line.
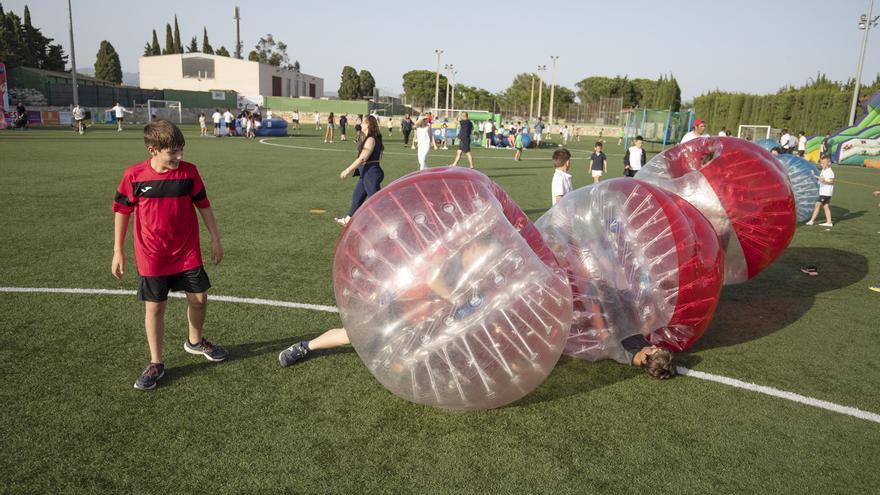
206,348
293,353
150,376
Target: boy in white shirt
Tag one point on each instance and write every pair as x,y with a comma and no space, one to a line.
802,144
215,117
120,114
634,158
826,189
561,184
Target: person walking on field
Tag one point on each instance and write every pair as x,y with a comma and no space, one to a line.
406,127
465,130
367,166
120,112
329,133
423,138
343,123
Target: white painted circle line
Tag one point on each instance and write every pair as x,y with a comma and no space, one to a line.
732,382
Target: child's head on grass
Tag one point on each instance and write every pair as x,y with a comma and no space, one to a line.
562,159
659,364
165,142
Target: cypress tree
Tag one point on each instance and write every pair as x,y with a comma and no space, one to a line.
193,46
169,41
107,64
154,45
350,84
206,46
178,48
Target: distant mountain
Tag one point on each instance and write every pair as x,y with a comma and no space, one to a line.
128,78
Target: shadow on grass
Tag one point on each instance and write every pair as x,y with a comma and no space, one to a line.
780,295
573,376
251,350
842,214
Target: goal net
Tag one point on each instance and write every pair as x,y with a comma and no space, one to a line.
753,132
165,109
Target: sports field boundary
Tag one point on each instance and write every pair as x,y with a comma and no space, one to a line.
732,382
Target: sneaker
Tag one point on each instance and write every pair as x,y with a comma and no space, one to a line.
206,348
810,270
343,220
293,353
826,224
150,376
875,288
809,223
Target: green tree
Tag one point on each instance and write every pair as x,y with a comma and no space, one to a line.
518,95
222,51
418,85
169,41
272,52
55,58
107,65
350,84
178,48
368,84
206,46
193,46
154,45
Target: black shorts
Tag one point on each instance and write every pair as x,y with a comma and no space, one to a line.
155,289
825,200
216,125
629,172
230,125
801,153
120,119
464,145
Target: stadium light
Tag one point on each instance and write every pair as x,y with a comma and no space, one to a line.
72,56
541,69
553,87
866,22
437,82
448,68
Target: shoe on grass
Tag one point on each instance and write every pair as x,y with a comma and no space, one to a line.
826,224
810,270
206,348
150,376
293,353
875,288
809,223
343,220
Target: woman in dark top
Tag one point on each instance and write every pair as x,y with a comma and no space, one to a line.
328,136
367,166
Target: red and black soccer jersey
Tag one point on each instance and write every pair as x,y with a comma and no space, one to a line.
166,230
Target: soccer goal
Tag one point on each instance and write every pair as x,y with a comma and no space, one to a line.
165,109
753,132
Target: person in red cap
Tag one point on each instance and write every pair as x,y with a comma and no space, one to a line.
698,131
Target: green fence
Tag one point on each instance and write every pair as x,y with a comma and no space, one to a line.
202,99
282,104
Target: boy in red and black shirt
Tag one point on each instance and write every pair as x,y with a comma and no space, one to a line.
161,192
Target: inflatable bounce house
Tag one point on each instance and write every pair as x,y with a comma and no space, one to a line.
856,145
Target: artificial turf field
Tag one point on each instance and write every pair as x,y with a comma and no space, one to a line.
72,423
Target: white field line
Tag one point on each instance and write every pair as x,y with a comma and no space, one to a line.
350,151
761,389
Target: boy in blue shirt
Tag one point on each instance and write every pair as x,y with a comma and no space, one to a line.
598,162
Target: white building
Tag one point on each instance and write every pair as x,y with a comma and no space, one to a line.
203,72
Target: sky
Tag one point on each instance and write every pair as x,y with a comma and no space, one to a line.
750,46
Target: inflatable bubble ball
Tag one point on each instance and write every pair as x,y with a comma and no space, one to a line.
640,260
741,188
804,179
449,294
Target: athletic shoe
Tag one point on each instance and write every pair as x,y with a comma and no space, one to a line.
150,376
826,224
206,348
809,223
343,220
810,270
293,354
875,288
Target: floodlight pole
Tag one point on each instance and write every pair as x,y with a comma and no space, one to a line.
72,56
867,22
237,33
448,68
552,87
532,97
541,69
453,91
437,82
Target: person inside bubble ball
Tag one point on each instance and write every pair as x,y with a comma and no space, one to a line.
443,286
656,361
